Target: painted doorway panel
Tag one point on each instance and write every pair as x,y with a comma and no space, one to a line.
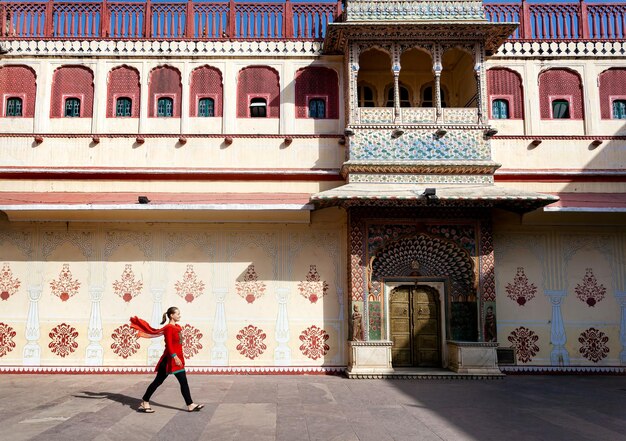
415,324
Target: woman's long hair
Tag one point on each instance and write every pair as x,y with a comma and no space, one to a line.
171,310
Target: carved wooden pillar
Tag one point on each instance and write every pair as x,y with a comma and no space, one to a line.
437,69
396,82
353,68
478,73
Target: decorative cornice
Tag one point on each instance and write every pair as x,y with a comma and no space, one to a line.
170,135
162,48
399,10
420,167
562,137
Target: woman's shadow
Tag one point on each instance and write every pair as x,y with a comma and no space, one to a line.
125,400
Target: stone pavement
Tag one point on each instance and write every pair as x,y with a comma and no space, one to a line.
298,408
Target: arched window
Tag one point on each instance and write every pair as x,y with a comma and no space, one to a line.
428,99
500,109
206,107
619,109
405,101
123,107
560,109
258,108
14,106
317,108
165,107
72,108
365,96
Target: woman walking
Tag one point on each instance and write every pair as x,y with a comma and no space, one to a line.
172,360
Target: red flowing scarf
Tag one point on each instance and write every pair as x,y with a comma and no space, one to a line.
144,329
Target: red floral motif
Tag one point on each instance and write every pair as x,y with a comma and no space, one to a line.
6,339
8,285
125,341
314,342
250,288
593,344
590,291
524,341
251,342
191,341
65,286
520,290
127,288
63,340
314,287
189,288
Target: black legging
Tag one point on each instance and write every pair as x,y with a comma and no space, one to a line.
160,378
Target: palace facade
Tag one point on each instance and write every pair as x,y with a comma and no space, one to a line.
373,187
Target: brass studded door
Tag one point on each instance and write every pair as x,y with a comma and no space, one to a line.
414,314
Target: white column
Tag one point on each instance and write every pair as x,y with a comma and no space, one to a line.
145,99
219,353
32,351
282,354
43,98
99,97
620,296
229,103
287,99
155,350
559,355
184,99
591,99
94,354
532,109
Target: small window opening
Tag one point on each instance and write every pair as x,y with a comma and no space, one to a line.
500,109
404,97
206,107
14,106
72,108
619,109
258,108
123,107
560,109
165,107
317,108
365,96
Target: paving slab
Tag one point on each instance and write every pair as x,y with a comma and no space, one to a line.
103,407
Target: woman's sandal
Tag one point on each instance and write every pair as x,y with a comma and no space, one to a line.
196,409
145,409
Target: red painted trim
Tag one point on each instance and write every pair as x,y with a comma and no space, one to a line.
559,137
560,176
170,174
177,135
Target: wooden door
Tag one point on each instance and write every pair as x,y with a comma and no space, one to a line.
425,324
414,316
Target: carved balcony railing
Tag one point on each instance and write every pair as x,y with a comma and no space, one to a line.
418,115
167,20
287,19
577,20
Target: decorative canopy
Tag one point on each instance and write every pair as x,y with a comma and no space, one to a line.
487,196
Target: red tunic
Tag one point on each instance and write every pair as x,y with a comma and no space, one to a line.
173,342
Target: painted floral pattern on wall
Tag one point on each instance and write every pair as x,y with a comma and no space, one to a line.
251,342
590,291
190,287
524,341
313,288
127,287
250,288
125,341
63,340
521,291
191,341
65,286
6,339
314,343
8,284
593,344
